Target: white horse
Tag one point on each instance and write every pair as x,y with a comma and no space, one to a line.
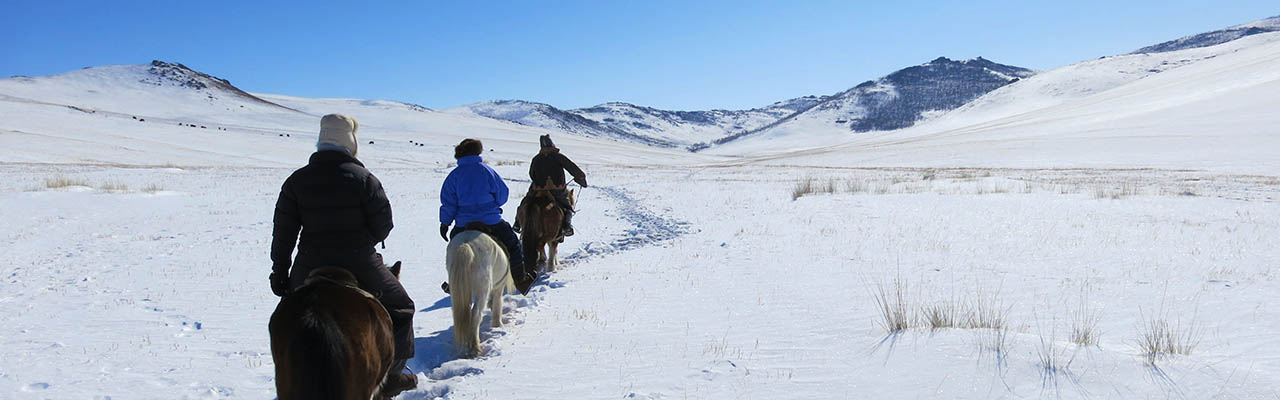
478,275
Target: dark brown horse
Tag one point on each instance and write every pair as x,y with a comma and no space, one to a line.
541,220
331,340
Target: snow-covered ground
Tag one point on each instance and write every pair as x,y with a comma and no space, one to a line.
157,289
136,251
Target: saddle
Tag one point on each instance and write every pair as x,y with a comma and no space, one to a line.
485,229
333,276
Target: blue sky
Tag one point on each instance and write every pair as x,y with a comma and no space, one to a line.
683,55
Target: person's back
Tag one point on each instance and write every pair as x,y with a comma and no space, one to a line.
335,210
550,164
340,204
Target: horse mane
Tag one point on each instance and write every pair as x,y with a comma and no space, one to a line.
320,332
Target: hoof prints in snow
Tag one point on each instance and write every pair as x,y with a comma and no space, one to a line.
646,228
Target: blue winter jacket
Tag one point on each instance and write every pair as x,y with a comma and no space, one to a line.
472,192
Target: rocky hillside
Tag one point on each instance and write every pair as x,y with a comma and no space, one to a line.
1214,38
895,101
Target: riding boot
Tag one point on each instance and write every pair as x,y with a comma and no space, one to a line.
398,380
566,228
523,279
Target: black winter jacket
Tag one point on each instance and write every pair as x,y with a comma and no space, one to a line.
335,202
550,163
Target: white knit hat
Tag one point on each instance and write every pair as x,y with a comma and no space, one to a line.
340,131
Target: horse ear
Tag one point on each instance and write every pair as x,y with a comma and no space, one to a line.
395,270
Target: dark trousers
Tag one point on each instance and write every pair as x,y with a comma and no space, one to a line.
562,199
502,230
374,277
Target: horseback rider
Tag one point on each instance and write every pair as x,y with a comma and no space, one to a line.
546,172
473,194
341,211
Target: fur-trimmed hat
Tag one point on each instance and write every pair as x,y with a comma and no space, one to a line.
468,147
338,131
545,141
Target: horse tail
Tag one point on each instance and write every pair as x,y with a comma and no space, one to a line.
322,348
531,235
458,259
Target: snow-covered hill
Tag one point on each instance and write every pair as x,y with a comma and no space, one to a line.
166,113
900,99
1211,107
895,101
1215,37
629,122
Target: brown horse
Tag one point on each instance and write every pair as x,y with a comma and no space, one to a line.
541,219
331,340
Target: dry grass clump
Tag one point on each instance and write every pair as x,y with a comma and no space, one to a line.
898,310
813,186
152,188
943,314
1158,338
114,187
1084,321
62,182
988,311
1116,192
1053,359
893,304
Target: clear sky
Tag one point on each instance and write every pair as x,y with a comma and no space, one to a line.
682,55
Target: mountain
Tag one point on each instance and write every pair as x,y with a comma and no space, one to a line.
902,98
895,101
633,123
1214,38
546,116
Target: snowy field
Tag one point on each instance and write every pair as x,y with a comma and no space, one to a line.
1118,240
682,283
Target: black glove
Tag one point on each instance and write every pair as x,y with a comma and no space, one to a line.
444,232
279,284
581,181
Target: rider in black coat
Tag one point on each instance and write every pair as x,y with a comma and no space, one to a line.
546,171
341,211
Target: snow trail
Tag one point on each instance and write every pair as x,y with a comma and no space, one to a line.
647,228
644,227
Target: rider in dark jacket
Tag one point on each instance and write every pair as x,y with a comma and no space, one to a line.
341,211
546,171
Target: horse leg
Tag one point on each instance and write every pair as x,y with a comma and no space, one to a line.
495,305
551,256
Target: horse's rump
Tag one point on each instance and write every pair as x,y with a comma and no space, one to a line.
330,340
478,275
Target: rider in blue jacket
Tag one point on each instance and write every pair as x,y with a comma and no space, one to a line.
474,193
